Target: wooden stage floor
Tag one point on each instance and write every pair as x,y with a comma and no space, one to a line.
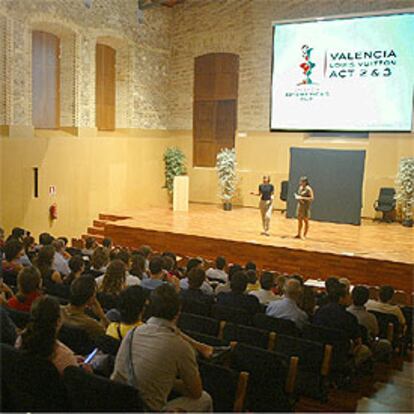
371,251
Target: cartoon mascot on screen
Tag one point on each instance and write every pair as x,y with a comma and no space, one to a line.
307,66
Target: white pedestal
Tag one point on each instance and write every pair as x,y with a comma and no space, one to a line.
181,192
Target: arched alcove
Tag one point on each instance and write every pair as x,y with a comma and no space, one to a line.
65,61
120,50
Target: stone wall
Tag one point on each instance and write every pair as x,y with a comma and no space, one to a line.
142,65
243,27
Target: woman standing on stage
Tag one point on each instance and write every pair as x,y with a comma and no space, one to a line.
266,191
305,197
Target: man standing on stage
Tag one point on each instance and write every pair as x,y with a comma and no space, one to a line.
266,191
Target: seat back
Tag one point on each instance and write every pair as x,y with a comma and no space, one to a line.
226,386
386,199
389,326
284,188
20,319
246,335
229,314
280,326
207,339
76,339
269,380
340,343
91,393
197,323
30,384
196,307
314,363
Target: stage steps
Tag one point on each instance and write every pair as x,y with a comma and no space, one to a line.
97,230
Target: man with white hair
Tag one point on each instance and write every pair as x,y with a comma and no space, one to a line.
287,307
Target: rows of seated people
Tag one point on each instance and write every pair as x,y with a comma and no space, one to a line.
168,330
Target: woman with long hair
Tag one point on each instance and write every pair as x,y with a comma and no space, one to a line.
114,280
138,265
99,261
44,262
40,336
305,197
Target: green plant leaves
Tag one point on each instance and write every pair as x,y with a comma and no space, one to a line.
175,164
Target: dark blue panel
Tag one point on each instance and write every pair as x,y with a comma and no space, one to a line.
336,177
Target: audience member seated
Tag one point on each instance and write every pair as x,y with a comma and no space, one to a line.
18,234
334,315
22,237
29,244
60,263
13,251
39,337
384,305
45,239
360,295
238,298
28,283
77,267
8,332
196,278
251,273
157,359
82,297
347,283
99,262
112,284
174,270
157,275
308,301
146,251
225,288
44,262
124,256
65,242
138,266
168,265
330,284
90,246
130,304
107,244
196,262
265,293
287,307
280,284
218,272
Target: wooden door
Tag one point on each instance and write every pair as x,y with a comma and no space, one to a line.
215,106
105,87
45,80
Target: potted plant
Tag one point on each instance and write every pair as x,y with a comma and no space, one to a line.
226,170
174,160
405,190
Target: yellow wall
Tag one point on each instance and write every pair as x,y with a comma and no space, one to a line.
262,153
92,175
121,171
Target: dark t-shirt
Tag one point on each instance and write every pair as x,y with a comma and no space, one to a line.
266,191
335,316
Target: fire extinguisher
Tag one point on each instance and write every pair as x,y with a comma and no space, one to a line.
53,211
